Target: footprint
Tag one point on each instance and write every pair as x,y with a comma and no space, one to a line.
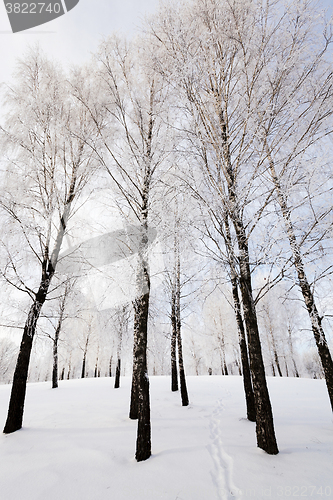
223,471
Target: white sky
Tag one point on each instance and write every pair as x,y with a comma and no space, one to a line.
73,36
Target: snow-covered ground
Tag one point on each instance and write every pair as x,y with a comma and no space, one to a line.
78,443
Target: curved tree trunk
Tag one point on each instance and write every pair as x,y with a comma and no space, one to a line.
17,397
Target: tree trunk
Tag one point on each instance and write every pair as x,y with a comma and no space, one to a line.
143,443
247,383
17,397
275,356
55,365
182,378
277,362
317,329
83,370
248,389
121,325
174,372
69,368
292,353
134,405
117,378
264,416
55,350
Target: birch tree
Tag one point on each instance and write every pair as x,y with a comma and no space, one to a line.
199,49
47,169
295,117
131,148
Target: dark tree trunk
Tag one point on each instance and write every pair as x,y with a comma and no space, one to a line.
174,371
83,371
140,371
264,416
277,362
182,378
122,325
17,398
62,376
55,365
134,405
247,383
69,369
55,352
84,360
248,389
117,378
143,443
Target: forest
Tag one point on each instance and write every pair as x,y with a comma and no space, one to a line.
166,208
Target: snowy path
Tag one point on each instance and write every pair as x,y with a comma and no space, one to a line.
223,473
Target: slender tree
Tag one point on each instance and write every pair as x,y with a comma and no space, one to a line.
47,169
121,320
206,60
295,118
131,147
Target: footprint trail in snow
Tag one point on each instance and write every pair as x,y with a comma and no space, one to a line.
223,470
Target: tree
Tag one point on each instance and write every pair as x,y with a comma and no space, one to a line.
47,169
131,147
176,314
121,320
199,47
294,118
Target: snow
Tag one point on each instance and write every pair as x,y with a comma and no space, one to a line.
78,443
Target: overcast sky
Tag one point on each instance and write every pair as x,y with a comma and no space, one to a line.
73,36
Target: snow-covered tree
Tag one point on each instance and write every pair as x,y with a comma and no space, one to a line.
48,165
